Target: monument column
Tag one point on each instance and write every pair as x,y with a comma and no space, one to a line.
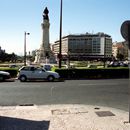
45,45
44,54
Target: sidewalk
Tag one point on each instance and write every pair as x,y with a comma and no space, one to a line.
63,117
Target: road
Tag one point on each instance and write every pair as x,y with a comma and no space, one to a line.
110,93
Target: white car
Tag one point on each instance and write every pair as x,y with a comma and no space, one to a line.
4,75
36,73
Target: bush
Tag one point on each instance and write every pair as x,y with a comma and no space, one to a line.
93,73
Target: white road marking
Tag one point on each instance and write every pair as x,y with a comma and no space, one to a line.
101,84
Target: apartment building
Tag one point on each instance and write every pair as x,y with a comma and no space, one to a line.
120,48
85,46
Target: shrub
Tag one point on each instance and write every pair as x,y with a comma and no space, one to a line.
93,73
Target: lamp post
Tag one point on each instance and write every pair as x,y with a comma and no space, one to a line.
60,44
25,33
104,52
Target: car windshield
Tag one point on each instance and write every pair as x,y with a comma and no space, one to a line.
64,65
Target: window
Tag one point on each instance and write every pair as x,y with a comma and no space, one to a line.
26,68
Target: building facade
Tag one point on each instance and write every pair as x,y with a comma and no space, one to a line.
85,46
120,48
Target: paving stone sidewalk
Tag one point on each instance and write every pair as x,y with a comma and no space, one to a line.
63,117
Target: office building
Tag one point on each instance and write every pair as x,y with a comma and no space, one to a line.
85,46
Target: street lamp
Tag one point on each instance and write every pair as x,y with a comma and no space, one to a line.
60,44
25,33
105,52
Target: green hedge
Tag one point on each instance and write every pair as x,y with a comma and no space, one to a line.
13,72
93,73
83,73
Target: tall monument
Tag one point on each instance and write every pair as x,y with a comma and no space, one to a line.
44,54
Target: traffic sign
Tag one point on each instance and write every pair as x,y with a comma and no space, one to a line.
125,30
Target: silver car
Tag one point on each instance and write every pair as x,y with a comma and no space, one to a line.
36,73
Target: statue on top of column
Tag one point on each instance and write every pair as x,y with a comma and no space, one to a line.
45,14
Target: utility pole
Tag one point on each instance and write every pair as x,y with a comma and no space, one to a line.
60,41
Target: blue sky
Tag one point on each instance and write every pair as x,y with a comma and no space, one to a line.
79,16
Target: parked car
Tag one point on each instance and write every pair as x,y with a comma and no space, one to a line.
4,75
118,64
92,66
13,66
36,73
47,67
114,64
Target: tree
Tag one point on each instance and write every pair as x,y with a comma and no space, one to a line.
13,57
120,56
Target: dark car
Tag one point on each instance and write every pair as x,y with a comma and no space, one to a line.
4,75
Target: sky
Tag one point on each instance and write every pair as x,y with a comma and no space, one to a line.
79,17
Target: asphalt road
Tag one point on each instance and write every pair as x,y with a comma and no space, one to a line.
110,93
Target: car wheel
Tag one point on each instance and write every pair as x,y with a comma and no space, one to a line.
50,78
2,78
23,78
